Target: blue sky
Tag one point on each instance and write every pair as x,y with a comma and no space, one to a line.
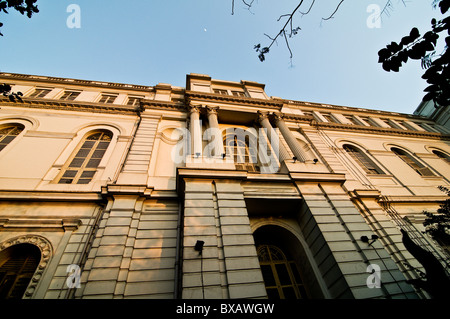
160,41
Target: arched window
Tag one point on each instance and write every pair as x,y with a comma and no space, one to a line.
18,264
412,162
442,155
281,276
363,160
8,133
239,149
242,149
83,163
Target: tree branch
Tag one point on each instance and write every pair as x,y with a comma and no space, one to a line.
332,15
310,7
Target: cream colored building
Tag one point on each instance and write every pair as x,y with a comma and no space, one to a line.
215,190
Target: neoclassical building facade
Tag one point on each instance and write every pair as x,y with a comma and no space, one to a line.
213,190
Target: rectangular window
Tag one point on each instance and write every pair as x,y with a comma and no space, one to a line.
222,92
366,120
351,119
134,100
387,122
329,118
70,95
108,98
40,93
238,93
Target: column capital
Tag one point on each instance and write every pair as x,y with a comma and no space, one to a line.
278,117
262,115
212,109
194,109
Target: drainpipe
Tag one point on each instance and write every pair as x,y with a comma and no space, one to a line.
179,254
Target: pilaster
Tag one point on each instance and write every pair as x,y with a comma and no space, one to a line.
333,227
228,266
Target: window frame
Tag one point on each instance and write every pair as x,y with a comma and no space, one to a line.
238,93
442,155
413,163
14,126
37,93
28,256
363,160
108,97
292,271
220,91
135,100
67,95
86,159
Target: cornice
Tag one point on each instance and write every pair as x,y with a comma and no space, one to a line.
296,117
70,106
329,108
123,189
379,130
243,101
35,195
66,81
163,105
47,224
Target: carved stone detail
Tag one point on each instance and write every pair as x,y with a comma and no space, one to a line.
46,252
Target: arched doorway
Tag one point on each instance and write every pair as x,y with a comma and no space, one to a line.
18,264
281,275
286,268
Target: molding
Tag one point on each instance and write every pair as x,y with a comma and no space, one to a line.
242,101
138,190
318,177
365,193
49,134
211,173
162,105
301,105
35,195
415,199
379,130
73,82
46,253
71,106
53,224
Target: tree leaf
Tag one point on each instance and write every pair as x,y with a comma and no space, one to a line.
383,54
414,34
444,5
386,66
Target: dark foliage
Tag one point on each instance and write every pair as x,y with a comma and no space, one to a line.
5,90
438,225
436,281
27,7
423,47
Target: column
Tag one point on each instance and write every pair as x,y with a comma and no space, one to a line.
195,128
290,138
273,136
215,131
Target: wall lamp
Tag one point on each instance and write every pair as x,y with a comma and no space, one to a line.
295,159
365,239
315,160
199,246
